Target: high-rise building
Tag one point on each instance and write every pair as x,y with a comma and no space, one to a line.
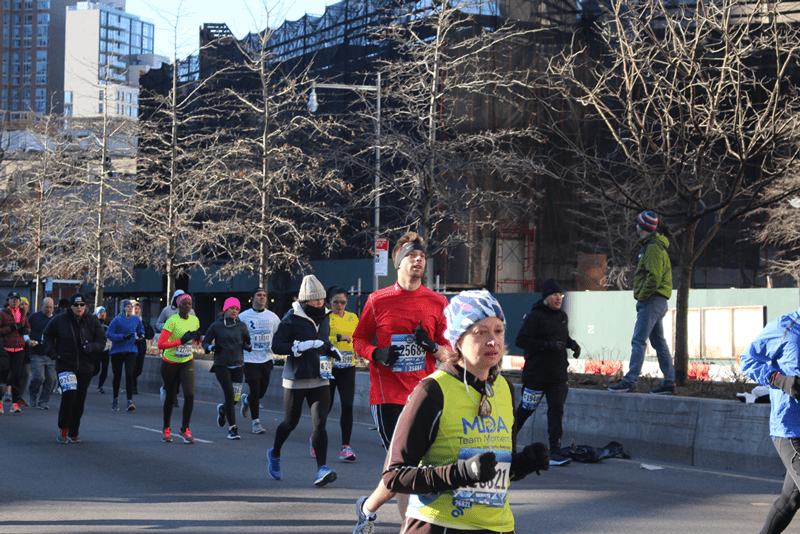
105,50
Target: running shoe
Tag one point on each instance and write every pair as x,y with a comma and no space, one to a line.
166,436
101,391
42,406
15,408
187,436
325,475
274,468
73,439
1,409
233,433
7,397
22,402
257,428
311,447
347,454
220,415
62,438
115,405
365,524
130,407
557,459
245,409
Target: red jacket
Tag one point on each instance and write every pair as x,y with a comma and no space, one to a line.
13,339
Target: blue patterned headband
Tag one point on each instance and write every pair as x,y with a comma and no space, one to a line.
466,309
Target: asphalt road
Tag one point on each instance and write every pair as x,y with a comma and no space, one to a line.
122,478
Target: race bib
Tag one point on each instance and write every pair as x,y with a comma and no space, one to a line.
237,391
261,341
531,399
325,368
68,381
182,351
347,360
413,357
492,493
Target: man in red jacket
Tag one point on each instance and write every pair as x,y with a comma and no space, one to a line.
407,319
13,326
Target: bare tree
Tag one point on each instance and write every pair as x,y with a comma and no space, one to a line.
687,109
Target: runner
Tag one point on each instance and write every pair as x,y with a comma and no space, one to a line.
258,362
343,324
123,331
228,337
179,335
402,318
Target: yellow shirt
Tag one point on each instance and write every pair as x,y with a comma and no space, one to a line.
344,326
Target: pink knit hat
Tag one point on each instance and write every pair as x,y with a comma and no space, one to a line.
231,301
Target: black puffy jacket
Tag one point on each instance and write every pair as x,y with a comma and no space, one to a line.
64,338
541,326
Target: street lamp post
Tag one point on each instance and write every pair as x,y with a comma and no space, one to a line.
312,107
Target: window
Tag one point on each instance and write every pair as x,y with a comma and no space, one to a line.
44,4
128,111
42,35
41,67
128,98
101,107
102,94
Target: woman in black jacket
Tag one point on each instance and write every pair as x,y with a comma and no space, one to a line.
228,337
74,340
303,336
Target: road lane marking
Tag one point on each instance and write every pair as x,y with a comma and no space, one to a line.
159,432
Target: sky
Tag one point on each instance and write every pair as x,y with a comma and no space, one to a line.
240,16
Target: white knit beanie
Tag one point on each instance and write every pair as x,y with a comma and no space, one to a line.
310,289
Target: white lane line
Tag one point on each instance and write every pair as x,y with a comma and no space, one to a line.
159,432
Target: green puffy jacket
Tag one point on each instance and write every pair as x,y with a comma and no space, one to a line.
654,272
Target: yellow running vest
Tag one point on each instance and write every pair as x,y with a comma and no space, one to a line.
462,434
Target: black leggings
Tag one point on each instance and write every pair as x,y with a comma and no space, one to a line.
13,375
319,400
783,510
226,378
556,395
345,381
72,403
103,369
118,360
257,376
141,352
173,374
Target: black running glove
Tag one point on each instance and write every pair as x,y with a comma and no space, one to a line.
422,339
387,356
126,337
88,348
480,468
533,458
187,338
788,384
556,345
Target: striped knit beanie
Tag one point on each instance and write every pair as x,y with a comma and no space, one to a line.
647,221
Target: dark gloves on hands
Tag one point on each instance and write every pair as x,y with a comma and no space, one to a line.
576,351
24,331
126,337
422,339
334,353
15,327
196,335
209,349
533,458
556,345
788,384
88,348
187,338
479,468
387,356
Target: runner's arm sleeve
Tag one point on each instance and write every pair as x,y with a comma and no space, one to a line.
415,432
165,343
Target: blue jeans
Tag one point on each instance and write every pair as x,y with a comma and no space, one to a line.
649,316
43,375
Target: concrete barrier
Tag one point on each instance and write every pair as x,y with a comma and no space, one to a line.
709,433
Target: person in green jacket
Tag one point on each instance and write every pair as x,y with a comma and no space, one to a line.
652,287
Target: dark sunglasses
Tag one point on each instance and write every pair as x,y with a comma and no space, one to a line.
485,407
79,304
340,302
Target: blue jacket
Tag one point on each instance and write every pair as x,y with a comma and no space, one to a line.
297,326
121,326
777,348
38,322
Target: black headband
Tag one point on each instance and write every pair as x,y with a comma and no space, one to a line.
405,250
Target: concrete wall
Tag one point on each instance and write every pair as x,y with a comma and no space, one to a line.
715,434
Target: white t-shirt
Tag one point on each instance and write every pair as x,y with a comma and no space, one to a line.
262,326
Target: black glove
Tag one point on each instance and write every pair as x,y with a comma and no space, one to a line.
387,356
335,354
88,348
422,339
15,327
126,337
788,384
23,331
533,458
187,338
209,349
196,335
576,351
139,336
555,345
480,468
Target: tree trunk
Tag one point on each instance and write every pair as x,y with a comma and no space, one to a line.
686,270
